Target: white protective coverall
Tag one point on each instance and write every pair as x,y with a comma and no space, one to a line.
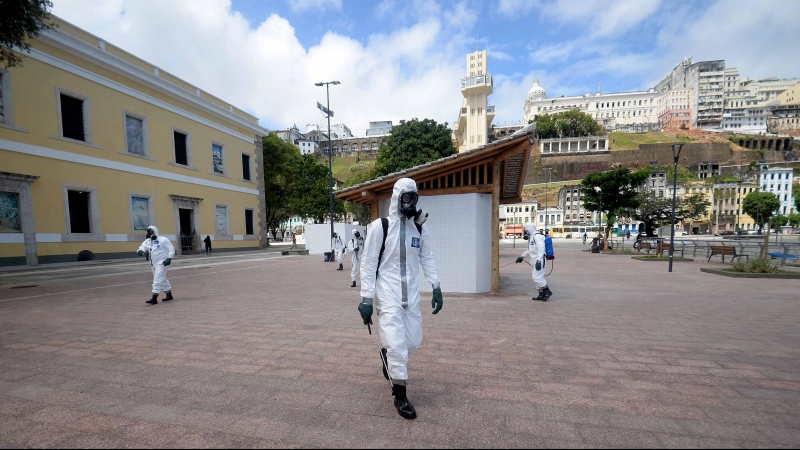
338,248
395,290
357,246
160,249
536,252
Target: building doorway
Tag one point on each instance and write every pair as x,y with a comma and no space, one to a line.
185,224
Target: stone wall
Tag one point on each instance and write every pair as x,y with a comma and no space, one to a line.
576,166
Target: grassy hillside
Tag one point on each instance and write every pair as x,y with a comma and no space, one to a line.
631,141
341,166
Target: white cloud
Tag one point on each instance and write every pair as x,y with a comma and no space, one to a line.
301,6
500,56
516,8
267,71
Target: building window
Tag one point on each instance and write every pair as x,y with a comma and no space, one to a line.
246,167
73,116
218,158
248,222
5,98
10,221
541,218
80,206
221,216
182,143
136,134
141,212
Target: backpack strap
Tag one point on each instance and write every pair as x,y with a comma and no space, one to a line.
419,229
385,227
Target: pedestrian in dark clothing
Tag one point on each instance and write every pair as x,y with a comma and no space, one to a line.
207,241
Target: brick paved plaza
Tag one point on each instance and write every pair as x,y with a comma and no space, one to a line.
271,352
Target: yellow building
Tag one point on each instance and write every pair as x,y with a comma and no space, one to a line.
726,206
96,144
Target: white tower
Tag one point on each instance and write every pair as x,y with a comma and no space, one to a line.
475,117
533,101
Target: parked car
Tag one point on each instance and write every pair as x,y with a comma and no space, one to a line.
726,233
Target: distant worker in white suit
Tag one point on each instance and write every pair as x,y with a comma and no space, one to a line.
338,249
355,245
536,250
161,253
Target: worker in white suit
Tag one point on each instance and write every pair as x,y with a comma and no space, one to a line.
394,251
161,254
355,245
536,251
338,249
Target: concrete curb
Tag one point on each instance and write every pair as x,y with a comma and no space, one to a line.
678,259
789,276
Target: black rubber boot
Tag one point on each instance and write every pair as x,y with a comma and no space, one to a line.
539,297
169,296
353,285
384,363
546,293
340,267
153,300
404,407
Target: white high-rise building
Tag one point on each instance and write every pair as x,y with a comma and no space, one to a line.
474,122
778,180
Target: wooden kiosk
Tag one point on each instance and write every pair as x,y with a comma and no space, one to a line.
497,168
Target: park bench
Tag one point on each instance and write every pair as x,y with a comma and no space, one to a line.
665,249
724,250
644,246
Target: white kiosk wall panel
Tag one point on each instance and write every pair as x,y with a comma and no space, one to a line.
318,236
460,229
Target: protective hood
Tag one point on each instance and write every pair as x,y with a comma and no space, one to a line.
403,185
355,232
155,230
530,228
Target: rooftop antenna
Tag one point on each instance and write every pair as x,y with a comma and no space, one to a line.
600,87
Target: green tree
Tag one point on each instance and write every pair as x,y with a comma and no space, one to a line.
21,20
684,174
796,199
360,212
760,206
694,207
282,159
565,124
656,212
310,197
412,143
794,220
613,192
780,221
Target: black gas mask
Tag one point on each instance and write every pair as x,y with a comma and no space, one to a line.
526,236
151,235
358,235
408,208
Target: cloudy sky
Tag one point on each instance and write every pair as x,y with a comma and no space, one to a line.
399,59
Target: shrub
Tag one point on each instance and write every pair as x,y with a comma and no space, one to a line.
758,265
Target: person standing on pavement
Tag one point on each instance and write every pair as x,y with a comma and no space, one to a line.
585,236
207,241
355,245
536,251
294,241
338,249
161,254
395,249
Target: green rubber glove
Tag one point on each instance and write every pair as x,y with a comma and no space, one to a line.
520,259
366,311
437,302
538,265
168,261
140,253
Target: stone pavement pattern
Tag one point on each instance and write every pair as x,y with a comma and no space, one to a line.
271,353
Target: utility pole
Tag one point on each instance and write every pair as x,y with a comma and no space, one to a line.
328,114
546,192
676,153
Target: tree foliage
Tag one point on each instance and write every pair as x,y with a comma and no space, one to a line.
779,221
656,212
310,198
565,124
21,20
412,143
281,161
613,192
760,206
794,220
360,212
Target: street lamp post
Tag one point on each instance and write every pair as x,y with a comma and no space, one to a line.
676,153
328,114
546,192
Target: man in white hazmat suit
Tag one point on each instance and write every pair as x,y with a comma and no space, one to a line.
161,253
392,279
355,245
536,251
338,249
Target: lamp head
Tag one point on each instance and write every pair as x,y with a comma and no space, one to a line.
319,84
335,82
